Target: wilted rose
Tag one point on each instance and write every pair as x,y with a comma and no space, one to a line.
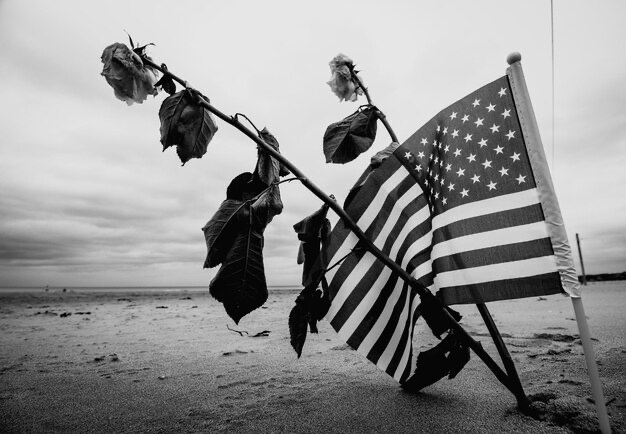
124,70
342,82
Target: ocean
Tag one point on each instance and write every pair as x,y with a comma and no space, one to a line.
127,289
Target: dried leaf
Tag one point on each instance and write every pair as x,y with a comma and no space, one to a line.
268,168
318,303
223,227
262,334
311,231
221,231
357,186
130,39
431,309
298,327
186,124
271,140
244,187
309,228
166,82
141,51
170,111
267,205
311,306
240,282
300,257
381,156
347,139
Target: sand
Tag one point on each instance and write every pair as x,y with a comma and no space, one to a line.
165,361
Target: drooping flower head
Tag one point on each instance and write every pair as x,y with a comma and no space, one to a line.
342,80
123,69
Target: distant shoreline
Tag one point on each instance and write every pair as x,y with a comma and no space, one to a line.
604,277
125,289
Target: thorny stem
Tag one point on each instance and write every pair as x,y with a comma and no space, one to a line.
350,224
380,114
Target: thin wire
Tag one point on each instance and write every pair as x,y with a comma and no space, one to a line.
552,32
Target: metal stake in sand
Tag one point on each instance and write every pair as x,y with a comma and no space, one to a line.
556,228
580,255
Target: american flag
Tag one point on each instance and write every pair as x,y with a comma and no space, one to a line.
457,206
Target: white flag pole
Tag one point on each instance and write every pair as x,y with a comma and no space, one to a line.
555,226
592,367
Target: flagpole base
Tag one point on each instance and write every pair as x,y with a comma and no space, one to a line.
592,366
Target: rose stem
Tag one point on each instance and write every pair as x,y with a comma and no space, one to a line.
380,114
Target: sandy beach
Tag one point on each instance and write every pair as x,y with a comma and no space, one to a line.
161,361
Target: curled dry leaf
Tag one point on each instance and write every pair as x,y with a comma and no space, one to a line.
381,156
298,322
221,231
244,186
347,139
240,282
232,215
266,206
311,231
186,124
234,238
311,306
268,168
166,82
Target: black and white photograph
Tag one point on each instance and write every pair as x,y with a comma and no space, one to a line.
302,217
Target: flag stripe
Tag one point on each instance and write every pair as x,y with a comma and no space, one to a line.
349,305
507,270
350,273
403,208
486,206
377,274
494,255
387,343
373,312
364,208
379,321
350,321
413,230
530,286
483,223
493,238
342,242
401,367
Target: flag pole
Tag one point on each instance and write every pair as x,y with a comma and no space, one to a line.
505,356
556,229
592,366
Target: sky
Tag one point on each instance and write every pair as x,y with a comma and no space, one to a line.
87,198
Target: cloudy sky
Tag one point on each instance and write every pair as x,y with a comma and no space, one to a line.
87,198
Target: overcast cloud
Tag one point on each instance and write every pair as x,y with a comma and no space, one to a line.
87,198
